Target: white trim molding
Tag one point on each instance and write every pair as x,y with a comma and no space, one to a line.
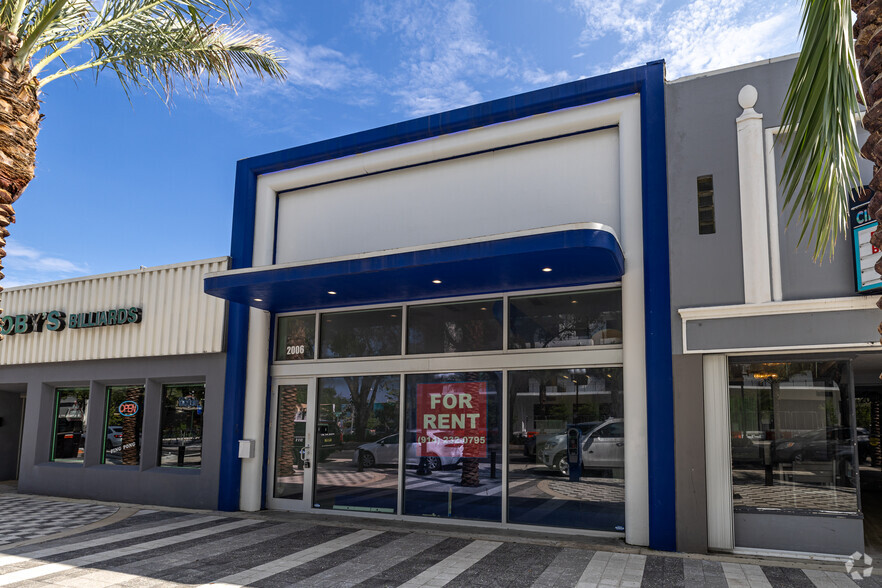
752,190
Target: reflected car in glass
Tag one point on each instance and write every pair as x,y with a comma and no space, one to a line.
439,454
603,447
821,445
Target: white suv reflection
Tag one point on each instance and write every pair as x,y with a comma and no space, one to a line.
603,447
384,451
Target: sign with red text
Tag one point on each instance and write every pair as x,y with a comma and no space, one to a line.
452,419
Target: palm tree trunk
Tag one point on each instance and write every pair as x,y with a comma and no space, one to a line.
19,125
868,50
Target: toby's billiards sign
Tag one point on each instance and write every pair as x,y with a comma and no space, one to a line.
58,320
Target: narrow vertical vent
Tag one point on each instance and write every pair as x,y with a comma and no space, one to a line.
706,223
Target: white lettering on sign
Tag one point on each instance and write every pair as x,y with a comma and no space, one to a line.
455,413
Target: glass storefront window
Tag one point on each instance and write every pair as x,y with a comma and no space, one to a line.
124,416
455,327
543,406
362,333
357,443
572,319
183,407
290,439
453,449
71,409
792,436
295,338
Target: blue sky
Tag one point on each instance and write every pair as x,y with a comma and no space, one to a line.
121,184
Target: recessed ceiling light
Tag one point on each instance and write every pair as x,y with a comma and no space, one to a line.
331,292
483,308
546,269
258,299
436,281
574,301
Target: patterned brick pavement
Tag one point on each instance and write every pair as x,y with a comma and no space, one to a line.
23,517
165,549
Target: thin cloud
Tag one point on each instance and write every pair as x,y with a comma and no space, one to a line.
444,53
26,265
699,36
540,77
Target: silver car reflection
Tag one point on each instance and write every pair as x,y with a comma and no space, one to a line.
603,447
384,451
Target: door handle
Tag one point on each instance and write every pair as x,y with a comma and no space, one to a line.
620,444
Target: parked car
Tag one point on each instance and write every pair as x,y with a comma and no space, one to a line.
114,436
603,447
440,454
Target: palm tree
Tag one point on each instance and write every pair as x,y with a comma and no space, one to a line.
839,66
155,44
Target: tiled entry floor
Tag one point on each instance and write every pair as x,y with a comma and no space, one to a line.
28,517
160,548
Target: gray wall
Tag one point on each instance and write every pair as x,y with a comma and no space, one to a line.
813,534
691,487
706,270
10,431
144,484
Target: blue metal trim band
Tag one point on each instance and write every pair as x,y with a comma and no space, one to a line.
657,284
577,256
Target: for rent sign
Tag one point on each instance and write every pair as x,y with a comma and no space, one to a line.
452,419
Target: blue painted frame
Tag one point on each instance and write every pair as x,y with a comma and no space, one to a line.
648,82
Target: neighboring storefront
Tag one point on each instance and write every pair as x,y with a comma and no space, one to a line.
422,314
111,386
776,357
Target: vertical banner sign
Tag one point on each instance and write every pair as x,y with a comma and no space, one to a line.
452,419
865,255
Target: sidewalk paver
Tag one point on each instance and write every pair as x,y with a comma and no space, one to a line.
174,548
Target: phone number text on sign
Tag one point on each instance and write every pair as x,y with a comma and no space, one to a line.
452,419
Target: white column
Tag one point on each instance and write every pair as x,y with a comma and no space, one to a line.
633,329
258,358
718,458
752,188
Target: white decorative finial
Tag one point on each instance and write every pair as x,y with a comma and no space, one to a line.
747,97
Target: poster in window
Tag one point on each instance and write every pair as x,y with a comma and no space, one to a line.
452,419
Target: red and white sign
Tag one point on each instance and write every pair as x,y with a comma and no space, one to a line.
454,416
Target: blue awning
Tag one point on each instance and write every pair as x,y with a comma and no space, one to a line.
587,253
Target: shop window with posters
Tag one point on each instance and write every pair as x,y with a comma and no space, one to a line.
545,407
69,433
183,407
452,436
793,440
123,425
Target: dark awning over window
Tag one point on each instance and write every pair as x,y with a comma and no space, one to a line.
577,255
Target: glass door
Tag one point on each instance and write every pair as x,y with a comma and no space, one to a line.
293,445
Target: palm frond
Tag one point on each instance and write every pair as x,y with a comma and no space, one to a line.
820,142
170,52
120,17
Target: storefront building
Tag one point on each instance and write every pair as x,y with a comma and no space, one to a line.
425,317
776,357
111,386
